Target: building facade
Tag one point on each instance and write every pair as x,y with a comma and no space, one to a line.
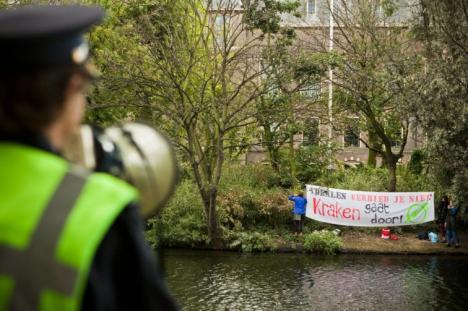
316,31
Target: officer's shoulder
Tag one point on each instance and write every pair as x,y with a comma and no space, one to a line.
109,182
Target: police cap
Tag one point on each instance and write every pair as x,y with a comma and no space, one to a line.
42,36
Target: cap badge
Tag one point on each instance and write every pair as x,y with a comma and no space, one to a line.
80,53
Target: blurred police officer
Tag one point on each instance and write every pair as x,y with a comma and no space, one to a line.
68,240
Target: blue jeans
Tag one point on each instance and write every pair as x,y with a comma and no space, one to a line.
452,237
298,223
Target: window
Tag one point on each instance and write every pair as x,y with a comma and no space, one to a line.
351,136
273,127
219,23
221,26
396,137
225,4
311,90
311,132
311,9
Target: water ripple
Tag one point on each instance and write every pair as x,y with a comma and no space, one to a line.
230,281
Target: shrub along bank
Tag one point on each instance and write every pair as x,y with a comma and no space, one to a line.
254,213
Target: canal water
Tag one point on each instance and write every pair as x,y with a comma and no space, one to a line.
205,280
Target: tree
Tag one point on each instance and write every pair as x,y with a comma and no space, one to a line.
289,69
284,110
443,28
190,65
376,76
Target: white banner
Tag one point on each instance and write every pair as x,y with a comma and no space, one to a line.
369,209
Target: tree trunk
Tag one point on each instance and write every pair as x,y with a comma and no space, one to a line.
209,193
209,203
216,242
273,154
391,167
373,143
371,158
292,159
292,153
211,215
274,159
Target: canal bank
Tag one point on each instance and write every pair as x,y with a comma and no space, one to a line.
352,242
364,243
407,243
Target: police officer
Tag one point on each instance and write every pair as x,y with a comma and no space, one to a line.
69,240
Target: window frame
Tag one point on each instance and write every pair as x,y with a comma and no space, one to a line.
308,3
358,137
311,90
304,141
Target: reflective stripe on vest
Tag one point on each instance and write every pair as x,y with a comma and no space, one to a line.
51,224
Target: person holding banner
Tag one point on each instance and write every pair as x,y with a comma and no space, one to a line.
452,237
442,216
299,211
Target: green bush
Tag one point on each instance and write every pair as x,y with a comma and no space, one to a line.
280,180
360,178
324,241
252,215
416,163
274,208
311,163
247,176
407,181
182,222
250,241
246,200
250,208
231,209
376,179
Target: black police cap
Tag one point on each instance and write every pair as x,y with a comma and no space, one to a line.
42,36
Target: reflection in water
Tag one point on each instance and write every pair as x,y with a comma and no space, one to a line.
231,281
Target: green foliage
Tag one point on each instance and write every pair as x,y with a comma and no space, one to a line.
182,221
282,180
247,202
254,176
263,15
376,179
389,7
250,241
253,217
170,63
409,182
361,178
416,163
441,26
377,77
307,65
311,163
324,241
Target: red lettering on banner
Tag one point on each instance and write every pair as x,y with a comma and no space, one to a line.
335,210
419,198
358,212
316,203
347,213
399,199
370,198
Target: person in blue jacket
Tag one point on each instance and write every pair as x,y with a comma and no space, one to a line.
299,211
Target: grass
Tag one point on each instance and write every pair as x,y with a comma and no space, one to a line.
359,242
